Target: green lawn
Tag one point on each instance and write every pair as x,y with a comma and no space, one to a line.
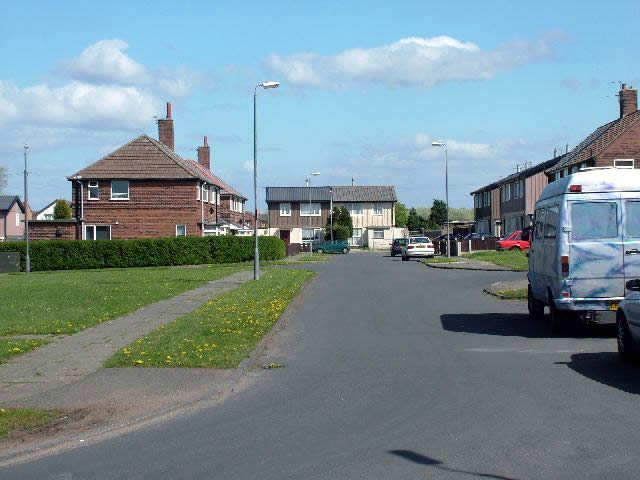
11,348
514,259
517,294
222,332
12,419
440,260
69,301
316,257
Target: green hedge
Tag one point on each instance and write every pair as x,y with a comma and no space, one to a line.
148,252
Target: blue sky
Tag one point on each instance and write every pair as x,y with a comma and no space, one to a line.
366,86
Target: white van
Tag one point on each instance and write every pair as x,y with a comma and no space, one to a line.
585,243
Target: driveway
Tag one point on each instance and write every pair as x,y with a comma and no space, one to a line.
395,370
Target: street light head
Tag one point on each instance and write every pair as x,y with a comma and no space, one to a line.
438,144
270,84
26,146
315,174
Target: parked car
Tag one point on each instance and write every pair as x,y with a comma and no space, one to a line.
482,236
417,247
453,236
332,246
396,246
585,245
513,241
628,321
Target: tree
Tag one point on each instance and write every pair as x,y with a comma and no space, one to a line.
438,215
61,210
401,214
341,218
414,220
462,214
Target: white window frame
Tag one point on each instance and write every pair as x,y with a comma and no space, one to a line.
633,163
378,231
185,230
355,239
17,219
198,188
205,193
378,208
84,233
95,185
120,198
313,206
285,212
352,209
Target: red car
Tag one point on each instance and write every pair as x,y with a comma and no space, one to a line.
514,241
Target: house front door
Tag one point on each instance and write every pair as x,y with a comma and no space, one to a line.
285,236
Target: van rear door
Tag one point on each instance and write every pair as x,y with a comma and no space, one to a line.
631,234
596,257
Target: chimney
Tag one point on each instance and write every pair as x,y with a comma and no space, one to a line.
628,99
165,128
204,155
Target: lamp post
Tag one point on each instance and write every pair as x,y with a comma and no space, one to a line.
331,210
27,260
312,174
446,186
256,255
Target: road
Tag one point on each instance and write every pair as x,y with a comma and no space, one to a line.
395,370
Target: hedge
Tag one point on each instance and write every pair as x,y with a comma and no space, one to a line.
148,252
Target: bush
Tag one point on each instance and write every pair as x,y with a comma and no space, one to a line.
61,210
148,252
340,232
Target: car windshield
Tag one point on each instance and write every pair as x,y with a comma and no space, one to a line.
420,240
400,241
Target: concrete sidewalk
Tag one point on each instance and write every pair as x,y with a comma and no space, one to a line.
495,288
471,265
68,359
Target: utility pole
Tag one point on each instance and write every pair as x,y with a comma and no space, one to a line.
27,263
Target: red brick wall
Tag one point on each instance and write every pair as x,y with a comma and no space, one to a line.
154,208
626,145
226,213
51,229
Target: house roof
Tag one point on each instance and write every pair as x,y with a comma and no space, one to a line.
597,141
7,201
225,188
340,194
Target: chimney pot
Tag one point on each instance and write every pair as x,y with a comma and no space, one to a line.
628,98
168,109
206,143
204,154
165,129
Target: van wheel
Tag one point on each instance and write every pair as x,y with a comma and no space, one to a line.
536,308
626,346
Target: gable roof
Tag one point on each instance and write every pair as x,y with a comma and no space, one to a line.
597,141
7,202
364,194
225,188
298,194
142,158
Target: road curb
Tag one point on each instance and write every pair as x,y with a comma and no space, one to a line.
447,266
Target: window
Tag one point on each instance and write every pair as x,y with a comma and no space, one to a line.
506,192
590,220
633,219
205,193
309,234
539,225
624,163
198,188
49,216
94,192
476,200
181,230
487,199
285,209
357,236
236,204
309,209
551,225
377,209
355,209
97,232
17,219
378,233
119,189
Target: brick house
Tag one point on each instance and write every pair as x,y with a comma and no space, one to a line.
615,144
144,189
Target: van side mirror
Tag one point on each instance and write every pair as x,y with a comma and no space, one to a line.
634,285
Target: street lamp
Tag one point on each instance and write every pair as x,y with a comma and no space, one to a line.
446,186
313,174
27,260
256,255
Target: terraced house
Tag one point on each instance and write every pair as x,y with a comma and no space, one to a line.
144,189
298,214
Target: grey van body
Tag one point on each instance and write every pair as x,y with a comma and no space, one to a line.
596,231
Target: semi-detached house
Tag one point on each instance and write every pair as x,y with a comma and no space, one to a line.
299,214
144,189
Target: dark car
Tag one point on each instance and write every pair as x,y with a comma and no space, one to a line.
472,236
332,246
453,236
396,246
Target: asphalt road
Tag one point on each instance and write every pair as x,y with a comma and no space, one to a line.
394,370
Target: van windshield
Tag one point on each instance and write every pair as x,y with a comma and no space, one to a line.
590,220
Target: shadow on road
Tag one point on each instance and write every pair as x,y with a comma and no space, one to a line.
608,369
420,459
515,325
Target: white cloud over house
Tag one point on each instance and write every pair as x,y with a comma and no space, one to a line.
409,62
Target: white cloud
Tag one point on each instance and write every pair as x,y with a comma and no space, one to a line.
410,62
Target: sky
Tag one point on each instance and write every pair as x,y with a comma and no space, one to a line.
366,86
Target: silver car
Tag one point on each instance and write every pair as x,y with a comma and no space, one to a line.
628,321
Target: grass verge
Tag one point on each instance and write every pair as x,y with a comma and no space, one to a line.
316,257
222,332
12,419
513,259
517,294
439,260
70,301
11,348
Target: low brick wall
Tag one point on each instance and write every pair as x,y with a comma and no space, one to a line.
52,229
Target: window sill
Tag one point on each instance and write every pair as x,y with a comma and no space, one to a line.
120,199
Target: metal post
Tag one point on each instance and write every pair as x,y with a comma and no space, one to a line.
331,211
446,186
27,263
256,255
310,227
